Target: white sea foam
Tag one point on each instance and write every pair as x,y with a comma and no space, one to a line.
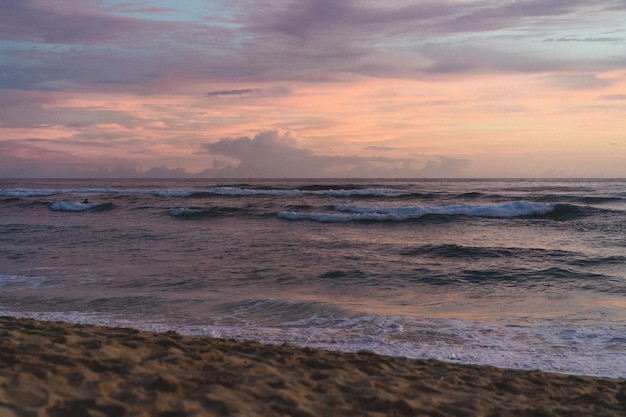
369,213
13,282
235,191
27,192
185,192
389,290
559,346
181,211
71,206
173,193
34,192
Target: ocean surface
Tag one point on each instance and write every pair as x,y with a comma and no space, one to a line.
526,274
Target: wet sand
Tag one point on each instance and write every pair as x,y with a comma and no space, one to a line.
68,370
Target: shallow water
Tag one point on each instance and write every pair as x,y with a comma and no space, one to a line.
515,273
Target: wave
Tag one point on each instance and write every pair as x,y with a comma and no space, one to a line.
312,190
15,282
27,192
324,187
544,344
202,212
173,192
455,251
349,213
73,206
285,312
333,191
33,192
580,199
479,252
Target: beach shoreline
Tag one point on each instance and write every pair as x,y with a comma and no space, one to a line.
65,369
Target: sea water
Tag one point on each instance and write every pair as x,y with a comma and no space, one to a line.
526,274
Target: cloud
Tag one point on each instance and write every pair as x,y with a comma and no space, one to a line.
68,22
307,19
69,45
31,158
11,98
241,92
410,39
75,117
597,39
615,97
48,158
148,80
270,154
379,148
579,81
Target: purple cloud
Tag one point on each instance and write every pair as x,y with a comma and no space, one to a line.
74,45
239,92
270,154
62,22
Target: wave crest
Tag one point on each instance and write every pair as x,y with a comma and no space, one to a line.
73,206
370,213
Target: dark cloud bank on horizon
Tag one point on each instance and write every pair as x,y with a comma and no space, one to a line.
272,155
267,155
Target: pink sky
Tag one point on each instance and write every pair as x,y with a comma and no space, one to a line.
313,88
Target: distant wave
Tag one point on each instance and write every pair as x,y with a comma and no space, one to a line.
591,200
23,282
181,211
47,192
333,191
317,190
27,192
172,192
368,213
197,212
73,206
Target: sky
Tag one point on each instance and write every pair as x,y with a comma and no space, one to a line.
312,88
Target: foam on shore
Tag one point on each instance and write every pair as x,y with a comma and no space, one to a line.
63,369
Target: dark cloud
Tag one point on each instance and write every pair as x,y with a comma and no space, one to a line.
306,19
486,15
270,154
90,45
11,98
241,92
65,22
68,45
409,40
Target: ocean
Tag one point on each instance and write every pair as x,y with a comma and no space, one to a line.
524,273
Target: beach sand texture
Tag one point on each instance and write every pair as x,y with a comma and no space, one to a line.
68,370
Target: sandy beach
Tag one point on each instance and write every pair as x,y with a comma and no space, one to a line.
64,370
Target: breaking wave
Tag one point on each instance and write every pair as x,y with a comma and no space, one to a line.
197,212
318,190
347,213
73,206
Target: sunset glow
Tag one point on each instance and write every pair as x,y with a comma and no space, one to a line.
313,88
